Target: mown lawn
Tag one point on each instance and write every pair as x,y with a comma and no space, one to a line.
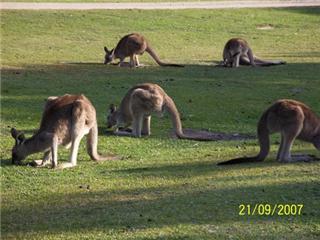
164,188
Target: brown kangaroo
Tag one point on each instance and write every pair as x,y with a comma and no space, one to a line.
65,120
136,107
237,52
293,120
131,46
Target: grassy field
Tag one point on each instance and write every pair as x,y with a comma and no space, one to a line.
164,188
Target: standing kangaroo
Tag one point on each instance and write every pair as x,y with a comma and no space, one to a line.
136,107
293,120
65,121
131,46
237,52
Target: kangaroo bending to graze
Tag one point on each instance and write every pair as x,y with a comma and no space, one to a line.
136,107
293,120
65,120
131,46
238,52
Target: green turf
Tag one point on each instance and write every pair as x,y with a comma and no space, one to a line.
164,188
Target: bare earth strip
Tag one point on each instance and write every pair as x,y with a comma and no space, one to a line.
161,5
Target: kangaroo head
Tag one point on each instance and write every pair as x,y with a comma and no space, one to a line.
112,116
227,62
109,55
18,150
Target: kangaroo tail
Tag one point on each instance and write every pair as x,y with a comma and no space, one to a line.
239,160
92,145
260,62
157,59
171,108
264,142
266,63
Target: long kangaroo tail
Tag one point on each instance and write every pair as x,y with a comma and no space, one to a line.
171,108
157,59
264,142
92,146
260,62
266,63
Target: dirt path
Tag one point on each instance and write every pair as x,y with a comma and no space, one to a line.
163,5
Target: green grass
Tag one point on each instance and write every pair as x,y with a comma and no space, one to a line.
164,188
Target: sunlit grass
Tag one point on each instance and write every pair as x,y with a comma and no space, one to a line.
164,188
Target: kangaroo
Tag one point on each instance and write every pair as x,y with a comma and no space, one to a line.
237,52
131,46
65,120
136,107
293,120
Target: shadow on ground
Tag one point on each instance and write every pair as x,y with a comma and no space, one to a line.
142,208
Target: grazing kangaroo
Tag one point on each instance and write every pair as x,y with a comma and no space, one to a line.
131,46
237,52
136,107
65,121
293,120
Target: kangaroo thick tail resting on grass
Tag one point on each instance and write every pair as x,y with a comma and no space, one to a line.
261,62
157,59
176,122
264,142
92,146
265,63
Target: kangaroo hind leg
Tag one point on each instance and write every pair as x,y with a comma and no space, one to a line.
251,57
136,61
137,124
236,60
78,130
288,135
146,130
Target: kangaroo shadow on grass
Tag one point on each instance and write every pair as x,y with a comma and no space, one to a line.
142,208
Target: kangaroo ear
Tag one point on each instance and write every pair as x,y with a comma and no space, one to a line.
14,133
112,108
17,135
21,137
112,52
106,50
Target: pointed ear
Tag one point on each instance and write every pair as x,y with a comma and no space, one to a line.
112,52
21,137
112,108
14,133
106,50
17,135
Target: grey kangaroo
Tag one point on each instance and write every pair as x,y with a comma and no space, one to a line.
294,120
238,52
131,46
65,120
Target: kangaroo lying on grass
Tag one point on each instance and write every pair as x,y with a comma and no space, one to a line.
237,52
136,107
65,121
131,46
293,120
